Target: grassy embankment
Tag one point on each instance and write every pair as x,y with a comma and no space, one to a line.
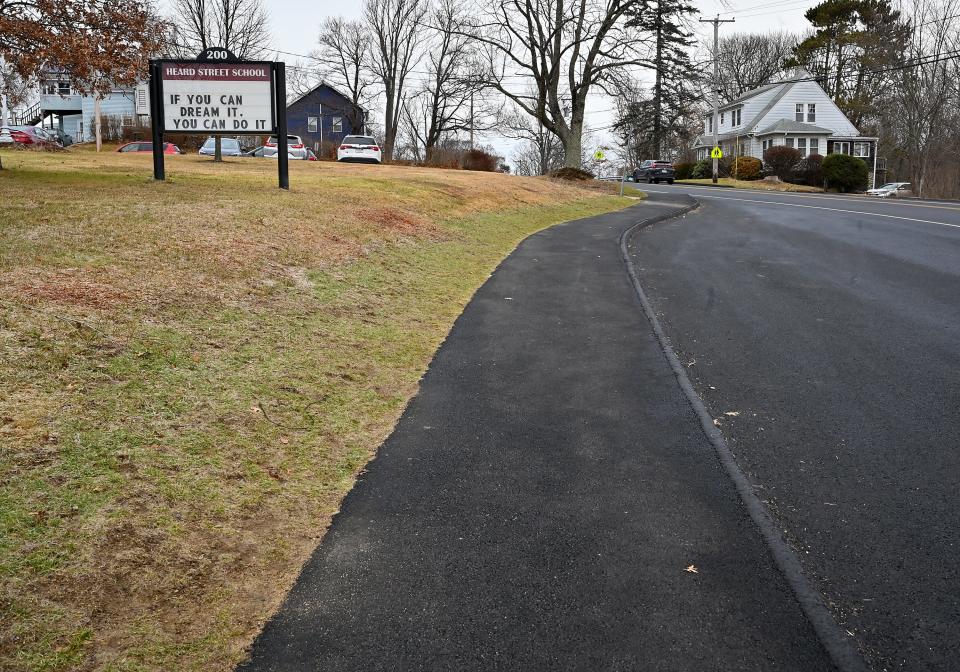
759,185
193,373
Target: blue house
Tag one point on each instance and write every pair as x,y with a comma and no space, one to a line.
323,116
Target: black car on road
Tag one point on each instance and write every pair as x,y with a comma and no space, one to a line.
654,172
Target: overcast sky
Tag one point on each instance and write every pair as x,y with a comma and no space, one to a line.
294,24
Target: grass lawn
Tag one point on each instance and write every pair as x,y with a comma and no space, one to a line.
755,184
192,374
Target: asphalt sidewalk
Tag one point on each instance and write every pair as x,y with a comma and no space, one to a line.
540,500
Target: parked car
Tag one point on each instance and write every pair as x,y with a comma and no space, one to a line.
359,148
311,156
147,147
892,190
228,147
32,135
256,152
62,137
295,147
654,171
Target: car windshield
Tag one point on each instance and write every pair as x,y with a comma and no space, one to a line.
359,140
892,185
209,144
230,143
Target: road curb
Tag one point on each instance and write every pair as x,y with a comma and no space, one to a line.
839,645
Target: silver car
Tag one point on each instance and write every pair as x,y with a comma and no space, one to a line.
892,190
295,147
228,147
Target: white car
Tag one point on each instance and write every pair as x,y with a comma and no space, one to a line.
359,148
892,190
295,147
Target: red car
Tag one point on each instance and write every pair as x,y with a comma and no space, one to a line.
31,135
147,147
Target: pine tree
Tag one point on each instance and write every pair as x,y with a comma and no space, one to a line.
673,71
851,39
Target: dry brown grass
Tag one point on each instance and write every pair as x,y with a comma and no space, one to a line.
193,372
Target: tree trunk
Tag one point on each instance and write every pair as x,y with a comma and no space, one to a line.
97,131
389,129
573,146
217,150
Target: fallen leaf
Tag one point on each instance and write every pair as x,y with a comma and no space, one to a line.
716,423
732,414
284,440
692,569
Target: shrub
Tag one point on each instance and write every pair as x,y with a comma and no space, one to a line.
573,174
746,168
810,170
844,172
703,168
477,159
781,161
683,170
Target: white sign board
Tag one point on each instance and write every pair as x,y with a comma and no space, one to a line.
226,98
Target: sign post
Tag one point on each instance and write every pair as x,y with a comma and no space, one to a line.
217,94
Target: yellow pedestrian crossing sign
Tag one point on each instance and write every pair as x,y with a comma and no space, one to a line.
716,153
598,155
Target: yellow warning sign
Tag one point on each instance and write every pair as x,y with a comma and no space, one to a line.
599,155
716,153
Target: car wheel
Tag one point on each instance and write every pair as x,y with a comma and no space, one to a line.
649,180
669,181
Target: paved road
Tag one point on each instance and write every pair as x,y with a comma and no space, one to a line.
539,501
831,325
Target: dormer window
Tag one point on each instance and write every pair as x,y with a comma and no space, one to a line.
799,115
710,124
736,116
721,118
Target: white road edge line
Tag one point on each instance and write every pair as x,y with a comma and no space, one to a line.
807,194
821,207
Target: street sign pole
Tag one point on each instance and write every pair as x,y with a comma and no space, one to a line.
280,89
156,117
716,86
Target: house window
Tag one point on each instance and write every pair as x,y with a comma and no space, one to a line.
799,115
721,118
737,119
802,145
814,146
710,124
841,148
50,88
861,149
63,88
313,123
789,142
811,113
337,125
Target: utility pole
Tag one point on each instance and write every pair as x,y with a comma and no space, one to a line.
716,84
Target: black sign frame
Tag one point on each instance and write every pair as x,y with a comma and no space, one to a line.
278,94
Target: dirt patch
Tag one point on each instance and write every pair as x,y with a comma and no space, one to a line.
73,287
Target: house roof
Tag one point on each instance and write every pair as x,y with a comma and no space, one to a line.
790,126
318,87
746,95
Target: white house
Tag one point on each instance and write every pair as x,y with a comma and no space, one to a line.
795,112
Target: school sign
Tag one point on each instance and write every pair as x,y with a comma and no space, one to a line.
217,94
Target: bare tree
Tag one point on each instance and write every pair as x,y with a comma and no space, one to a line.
445,103
750,60
344,56
398,31
539,150
565,48
925,95
242,26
